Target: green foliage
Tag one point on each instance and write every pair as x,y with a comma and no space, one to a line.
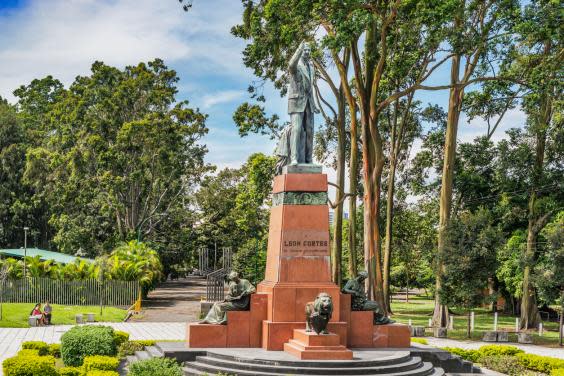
484,351
100,362
29,365
82,341
557,372
120,337
29,352
470,259
96,372
471,355
506,364
155,366
134,261
70,371
144,342
128,348
422,341
41,347
55,350
544,364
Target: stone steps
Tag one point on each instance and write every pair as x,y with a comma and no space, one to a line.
212,364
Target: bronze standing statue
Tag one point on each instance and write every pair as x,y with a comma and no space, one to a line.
359,301
237,299
296,142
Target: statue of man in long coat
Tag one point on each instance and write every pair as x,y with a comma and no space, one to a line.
301,106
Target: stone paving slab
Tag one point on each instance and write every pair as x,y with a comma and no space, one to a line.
12,338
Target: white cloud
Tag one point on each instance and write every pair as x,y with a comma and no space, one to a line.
64,37
220,97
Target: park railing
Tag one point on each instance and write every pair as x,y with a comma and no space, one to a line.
216,280
76,292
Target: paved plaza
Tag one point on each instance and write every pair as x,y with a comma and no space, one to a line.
12,338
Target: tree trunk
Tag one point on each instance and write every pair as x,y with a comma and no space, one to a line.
389,226
468,327
337,249
440,314
353,170
560,328
530,317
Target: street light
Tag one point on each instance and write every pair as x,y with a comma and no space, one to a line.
26,229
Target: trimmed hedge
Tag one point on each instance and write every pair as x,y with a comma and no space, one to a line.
100,362
28,352
129,348
30,366
145,342
422,341
155,366
81,341
120,337
506,364
40,346
70,371
98,372
55,350
557,372
544,364
484,351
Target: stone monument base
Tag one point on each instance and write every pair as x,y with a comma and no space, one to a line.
311,346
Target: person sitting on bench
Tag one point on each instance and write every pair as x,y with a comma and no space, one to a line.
37,314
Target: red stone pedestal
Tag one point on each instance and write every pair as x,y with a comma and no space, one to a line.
298,269
309,345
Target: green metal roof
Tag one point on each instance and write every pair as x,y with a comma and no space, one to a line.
43,254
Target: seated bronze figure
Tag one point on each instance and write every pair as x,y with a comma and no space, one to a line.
237,299
359,301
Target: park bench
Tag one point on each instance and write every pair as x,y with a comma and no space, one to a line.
33,321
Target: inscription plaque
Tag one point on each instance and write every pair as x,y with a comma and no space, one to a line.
305,243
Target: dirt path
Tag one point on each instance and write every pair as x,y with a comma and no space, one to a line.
174,301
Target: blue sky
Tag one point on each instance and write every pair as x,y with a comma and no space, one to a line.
64,37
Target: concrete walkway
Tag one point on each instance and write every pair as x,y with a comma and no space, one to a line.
472,345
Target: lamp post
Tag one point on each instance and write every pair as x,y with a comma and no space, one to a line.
26,229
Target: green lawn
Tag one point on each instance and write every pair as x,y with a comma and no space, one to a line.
15,315
420,310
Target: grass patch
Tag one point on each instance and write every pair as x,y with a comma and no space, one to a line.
420,310
15,315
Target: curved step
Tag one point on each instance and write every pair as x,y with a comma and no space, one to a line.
321,369
393,358
197,368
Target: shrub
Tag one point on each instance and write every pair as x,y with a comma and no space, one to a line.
41,347
70,371
155,366
32,365
506,364
544,364
489,350
145,342
129,348
422,341
55,350
28,352
471,355
100,362
81,341
557,372
97,372
120,337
